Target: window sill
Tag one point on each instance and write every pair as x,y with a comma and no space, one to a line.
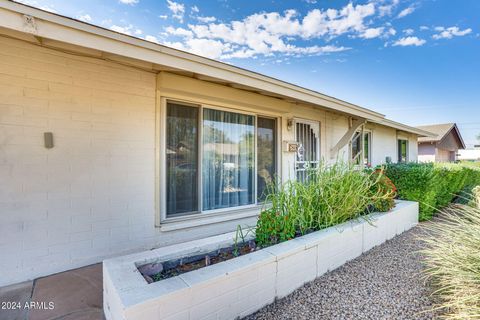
185,222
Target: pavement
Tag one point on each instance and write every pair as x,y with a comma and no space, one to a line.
71,295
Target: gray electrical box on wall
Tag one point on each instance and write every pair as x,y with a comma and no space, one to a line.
48,137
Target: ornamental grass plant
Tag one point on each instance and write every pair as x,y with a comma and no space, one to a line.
332,194
452,260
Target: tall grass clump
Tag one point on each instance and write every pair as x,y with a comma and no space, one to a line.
331,194
452,259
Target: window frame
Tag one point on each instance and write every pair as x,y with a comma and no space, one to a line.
407,156
362,134
186,220
369,133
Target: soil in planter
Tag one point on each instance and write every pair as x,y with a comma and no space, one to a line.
176,267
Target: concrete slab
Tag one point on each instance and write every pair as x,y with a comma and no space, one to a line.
76,294
17,295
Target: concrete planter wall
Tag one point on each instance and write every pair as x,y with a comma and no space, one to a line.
240,286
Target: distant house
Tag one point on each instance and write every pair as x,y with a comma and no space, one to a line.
440,148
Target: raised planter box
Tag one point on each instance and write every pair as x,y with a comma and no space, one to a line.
240,286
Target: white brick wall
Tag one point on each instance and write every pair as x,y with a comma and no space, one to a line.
92,195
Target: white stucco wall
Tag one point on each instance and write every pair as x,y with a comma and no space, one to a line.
93,195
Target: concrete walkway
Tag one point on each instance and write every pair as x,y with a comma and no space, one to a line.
70,295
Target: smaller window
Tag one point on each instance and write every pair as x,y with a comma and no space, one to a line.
367,150
402,150
266,155
356,148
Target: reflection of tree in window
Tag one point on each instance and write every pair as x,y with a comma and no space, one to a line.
228,153
182,158
265,155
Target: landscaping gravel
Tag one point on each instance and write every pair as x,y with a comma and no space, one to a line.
384,283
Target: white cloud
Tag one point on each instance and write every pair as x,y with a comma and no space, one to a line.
151,38
49,9
405,12
195,9
371,33
336,22
163,16
213,49
449,33
386,9
179,32
206,19
130,2
423,28
138,32
392,31
85,18
275,34
126,30
409,41
35,3
178,9
408,31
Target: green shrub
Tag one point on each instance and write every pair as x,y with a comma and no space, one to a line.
415,182
432,185
331,195
453,262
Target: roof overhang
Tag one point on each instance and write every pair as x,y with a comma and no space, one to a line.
66,30
405,128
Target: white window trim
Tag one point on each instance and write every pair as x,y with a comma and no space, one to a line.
210,216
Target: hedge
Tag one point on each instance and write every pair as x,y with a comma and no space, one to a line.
433,185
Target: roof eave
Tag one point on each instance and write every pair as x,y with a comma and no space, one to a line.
64,29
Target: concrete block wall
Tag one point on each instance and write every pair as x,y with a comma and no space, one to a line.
92,195
241,286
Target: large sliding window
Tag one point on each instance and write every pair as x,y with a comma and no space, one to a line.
216,159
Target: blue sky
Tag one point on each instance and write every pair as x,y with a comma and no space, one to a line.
417,61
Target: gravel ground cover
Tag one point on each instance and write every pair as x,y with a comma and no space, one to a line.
384,283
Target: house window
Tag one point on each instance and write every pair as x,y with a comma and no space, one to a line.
181,159
356,148
216,159
267,150
402,150
367,150
228,159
